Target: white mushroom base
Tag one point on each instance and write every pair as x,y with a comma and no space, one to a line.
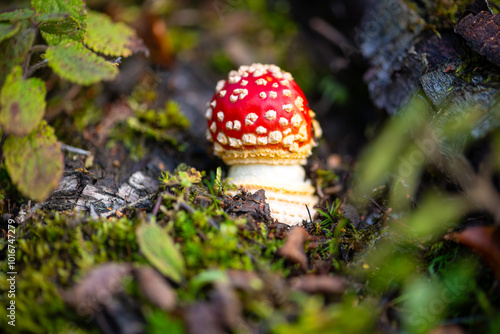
287,190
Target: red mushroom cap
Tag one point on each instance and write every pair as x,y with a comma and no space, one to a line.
260,115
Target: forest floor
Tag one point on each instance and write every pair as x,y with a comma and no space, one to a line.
141,236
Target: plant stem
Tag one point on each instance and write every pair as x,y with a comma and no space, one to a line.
35,67
74,150
38,48
35,48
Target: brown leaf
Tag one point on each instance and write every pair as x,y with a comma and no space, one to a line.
244,280
482,34
450,329
485,240
319,284
153,30
97,287
202,318
227,304
155,288
293,249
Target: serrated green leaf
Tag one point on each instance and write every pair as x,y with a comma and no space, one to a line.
55,32
8,30
107,37
17,15
34,162
14,50
73,62
74,27
159,248
22,103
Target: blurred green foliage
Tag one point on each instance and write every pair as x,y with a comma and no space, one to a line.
344,317
438,282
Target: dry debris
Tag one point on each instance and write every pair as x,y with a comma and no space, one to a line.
155,288
293,249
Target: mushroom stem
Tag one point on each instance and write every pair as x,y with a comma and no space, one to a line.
287,190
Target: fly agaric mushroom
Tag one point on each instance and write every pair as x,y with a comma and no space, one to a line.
262,127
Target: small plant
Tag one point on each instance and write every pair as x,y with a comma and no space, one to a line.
77,42
183,176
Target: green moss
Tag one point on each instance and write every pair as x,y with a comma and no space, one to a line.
345,317
89,114
443,14
56,250
149,124
183,38
53,252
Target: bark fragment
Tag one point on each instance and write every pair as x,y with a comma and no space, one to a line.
482,34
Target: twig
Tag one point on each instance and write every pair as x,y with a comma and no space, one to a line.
329,32
116,61
384,211
75,150
309,213
320,191
185,206
131,205
476,186
156,208
191,210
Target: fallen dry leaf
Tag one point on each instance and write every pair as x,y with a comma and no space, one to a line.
451,329
293,249
244,280
202,318
227,304
153,30
485,240
319,284
97,287
155,288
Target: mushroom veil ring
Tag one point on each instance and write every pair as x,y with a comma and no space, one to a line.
261,126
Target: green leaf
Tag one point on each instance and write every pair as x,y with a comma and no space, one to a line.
54,32
51,17
73,62
436,213
208,276
8,30
74,27
34,162
382,158
22,103
17,15
159,248
106,37
14,50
